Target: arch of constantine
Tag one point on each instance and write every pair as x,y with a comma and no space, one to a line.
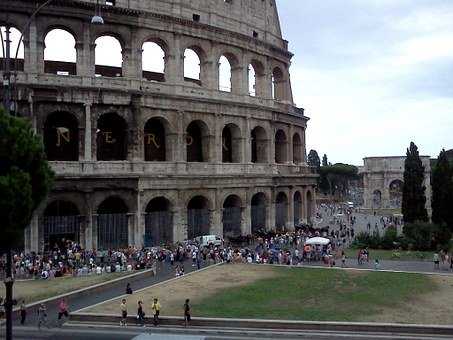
161,147
383,182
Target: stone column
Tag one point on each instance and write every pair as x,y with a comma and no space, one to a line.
179,223
272,146
180,147
88,130
31,49
290,221
217,142
238,79
290,147
94,231
247,145
271,209
131,228
174,62
34,234
40,46
246,225
209,74
140,223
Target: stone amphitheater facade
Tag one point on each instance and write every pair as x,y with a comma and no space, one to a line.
144,158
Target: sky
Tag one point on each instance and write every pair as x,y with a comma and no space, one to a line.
372,75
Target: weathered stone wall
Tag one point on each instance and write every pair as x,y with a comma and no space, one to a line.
224,28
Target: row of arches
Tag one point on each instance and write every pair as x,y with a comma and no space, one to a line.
61,141
395,196
63,220
61,48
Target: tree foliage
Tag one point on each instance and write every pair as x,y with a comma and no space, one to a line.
414,199
325,161
313,159
335,178
442,191
25,177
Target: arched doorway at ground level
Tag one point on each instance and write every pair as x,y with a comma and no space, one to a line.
158,223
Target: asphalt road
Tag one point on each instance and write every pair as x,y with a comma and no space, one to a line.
134,333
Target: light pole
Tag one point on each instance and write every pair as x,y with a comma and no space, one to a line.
6,48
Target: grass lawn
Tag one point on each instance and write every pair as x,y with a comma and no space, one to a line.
403,255
316,294
35,290
253,291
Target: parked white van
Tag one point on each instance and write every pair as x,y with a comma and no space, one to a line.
206,240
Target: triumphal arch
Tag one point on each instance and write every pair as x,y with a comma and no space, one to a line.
194,131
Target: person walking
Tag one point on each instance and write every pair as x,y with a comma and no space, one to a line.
436,260
42,316
62,310
186,313
128,288
22,312
141,314
343,259
156,310
123,309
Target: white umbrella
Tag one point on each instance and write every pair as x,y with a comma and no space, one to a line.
318,240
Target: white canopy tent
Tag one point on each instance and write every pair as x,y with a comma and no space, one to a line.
317,240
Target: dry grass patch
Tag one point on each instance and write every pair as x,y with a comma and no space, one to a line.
194,287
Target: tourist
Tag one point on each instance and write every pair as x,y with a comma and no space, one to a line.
128,288
141,314
2,308
22,312
62,310
343,259
156,310
123,309
436,260
42,316
376,264
186,313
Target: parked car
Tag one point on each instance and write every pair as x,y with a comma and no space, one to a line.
207,240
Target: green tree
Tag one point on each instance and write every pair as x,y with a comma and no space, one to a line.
414,199
335,178
325,162
25,180
442,188
313,160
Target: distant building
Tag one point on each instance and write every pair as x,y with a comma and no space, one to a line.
383,182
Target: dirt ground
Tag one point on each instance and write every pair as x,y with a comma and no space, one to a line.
194,287
430,308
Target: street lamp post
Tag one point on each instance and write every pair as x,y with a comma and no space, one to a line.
6,48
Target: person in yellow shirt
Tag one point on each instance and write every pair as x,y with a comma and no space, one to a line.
156,309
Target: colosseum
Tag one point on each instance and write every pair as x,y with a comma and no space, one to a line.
146,155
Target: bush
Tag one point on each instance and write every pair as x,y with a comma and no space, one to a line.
390,239
426,236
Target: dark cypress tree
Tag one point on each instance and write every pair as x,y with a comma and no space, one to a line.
442,187
325,162
313,160
414,198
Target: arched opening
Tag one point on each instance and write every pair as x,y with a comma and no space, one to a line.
61,137
297,208
256,79
192,66
309,207
197,142
155,141
112,224
252,80
258,213
280,147
278,84
396,194
198,217
153,61
108,57
111,138
224,74
377,199
158,223
259,145
281,211
14,36
297,149
231,144
60,223
232,217
60,55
